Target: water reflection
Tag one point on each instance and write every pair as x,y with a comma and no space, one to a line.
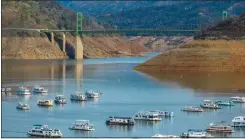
148,124
203,82
22,72
83,133
121,128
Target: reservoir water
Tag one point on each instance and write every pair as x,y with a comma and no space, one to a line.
125,91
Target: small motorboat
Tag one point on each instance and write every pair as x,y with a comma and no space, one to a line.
39,89
164,113
193,133
209,105
60,99
147,116
45,103
219,127
44,131
91,94
192,109
23,91
120,121
5,89
239,121
238,99
160,136
78,97
82,125
22,106
224,103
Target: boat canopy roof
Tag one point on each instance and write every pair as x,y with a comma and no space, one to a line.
82,121
120,117
195,130
37,125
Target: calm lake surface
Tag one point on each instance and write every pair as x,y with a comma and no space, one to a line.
125,92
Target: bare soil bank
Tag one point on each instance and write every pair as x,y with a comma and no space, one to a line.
200,56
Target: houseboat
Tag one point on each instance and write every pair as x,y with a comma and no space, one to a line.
193,133
120,121
147,116
82,125
160,136
238,121
192,109
209,105
238,99
23,91
164,113
39,89
45,103
224,103
5,89
91,94
44,131
78,97
60,99
22,106
219,127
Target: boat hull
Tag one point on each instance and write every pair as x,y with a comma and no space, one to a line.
81,129
117,123
44,136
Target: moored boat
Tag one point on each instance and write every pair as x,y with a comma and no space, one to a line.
219,127
238,99
239,121
5,89
78,97
23,91
164,113
60,99
44,131
39,89
224,103
192,109
160,136
45,103
209,105
82,125
193,133
91,94
147,116
22,106
120,121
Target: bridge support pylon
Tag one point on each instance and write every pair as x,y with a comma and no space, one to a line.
52,37
63,43
78,48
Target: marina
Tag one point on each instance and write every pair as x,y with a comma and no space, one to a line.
117,100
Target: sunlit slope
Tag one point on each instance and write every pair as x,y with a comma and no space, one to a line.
201,56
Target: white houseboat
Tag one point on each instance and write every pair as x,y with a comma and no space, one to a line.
60,99
44,131
192,133
82,125
120,121
238,99
164,113
147,116
91,94
209,105
45,103
23,91
192,109
78,97
39,89
22,106
239,121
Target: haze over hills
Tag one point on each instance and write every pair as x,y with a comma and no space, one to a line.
51,15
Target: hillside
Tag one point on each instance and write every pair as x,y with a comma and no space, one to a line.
205,55
156,14
51,15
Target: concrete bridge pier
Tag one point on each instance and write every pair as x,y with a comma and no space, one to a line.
52,37
64,43
78,48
